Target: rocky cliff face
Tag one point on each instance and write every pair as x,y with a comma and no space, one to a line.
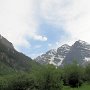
53,56
79,51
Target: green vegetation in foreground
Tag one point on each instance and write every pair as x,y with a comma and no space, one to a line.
19,72
48,77
84,87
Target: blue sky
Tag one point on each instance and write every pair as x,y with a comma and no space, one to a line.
36,26
53,35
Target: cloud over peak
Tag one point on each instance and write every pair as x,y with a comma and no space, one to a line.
72,15
21,19
18,20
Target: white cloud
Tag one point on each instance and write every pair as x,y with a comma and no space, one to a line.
72,15
18,21
41,38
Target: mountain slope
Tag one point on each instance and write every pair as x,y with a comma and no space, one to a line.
10,59
53,56
79,51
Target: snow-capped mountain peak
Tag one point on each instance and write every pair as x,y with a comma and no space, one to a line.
79,51
82,42
54,56
52,52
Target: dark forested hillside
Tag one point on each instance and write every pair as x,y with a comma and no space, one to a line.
12,60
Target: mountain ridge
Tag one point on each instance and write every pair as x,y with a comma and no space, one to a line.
5,42
11,59
66,54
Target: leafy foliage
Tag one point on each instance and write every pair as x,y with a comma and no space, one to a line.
46,77
87,73
73,75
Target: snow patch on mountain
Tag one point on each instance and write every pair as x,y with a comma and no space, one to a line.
79,51
87,59
54,56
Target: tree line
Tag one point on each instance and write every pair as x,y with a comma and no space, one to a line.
47,77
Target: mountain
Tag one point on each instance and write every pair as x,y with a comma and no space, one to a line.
46,58
12,60
53,56
79,51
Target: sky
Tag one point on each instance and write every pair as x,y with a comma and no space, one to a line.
36,26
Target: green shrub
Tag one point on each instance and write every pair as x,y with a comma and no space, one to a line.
3,84
73,75
87,73
49,79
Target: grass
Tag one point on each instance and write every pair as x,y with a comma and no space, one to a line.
84,87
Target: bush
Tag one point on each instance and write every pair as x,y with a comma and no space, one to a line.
17,82
49,79
73,75
3,84
22,82
87,73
